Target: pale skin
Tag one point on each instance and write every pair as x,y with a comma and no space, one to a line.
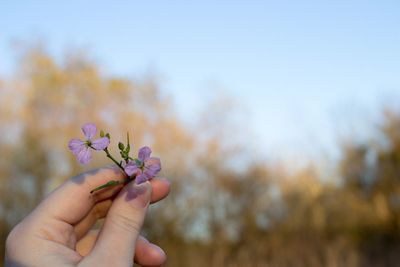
59,231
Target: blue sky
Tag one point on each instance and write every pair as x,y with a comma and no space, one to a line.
304,72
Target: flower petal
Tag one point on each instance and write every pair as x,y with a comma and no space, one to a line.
131,168
76,145
152,167
101,143
141,178
144,153
89,129
84,156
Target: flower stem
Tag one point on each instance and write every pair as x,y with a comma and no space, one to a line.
113,159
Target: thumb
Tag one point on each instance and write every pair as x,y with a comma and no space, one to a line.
116,243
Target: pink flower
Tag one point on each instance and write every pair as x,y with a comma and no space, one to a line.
81,149
145,167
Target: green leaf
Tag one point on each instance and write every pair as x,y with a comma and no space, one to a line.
124,155
102,133
108,184
108,136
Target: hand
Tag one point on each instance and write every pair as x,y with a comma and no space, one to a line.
58,232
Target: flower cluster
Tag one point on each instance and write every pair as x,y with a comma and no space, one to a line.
140,169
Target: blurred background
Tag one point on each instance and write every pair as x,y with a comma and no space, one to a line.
278,123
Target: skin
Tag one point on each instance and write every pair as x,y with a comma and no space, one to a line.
59,231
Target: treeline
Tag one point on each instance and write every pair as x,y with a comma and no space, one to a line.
226,208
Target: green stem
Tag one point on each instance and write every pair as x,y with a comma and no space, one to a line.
113,159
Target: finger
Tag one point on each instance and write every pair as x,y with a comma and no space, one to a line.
149,254
86,244
72,201
146,253
116,242
99,211
160,189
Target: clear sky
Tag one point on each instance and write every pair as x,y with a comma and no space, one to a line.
305,72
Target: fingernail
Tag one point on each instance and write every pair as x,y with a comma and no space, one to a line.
139,195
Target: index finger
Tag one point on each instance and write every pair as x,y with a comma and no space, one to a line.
72,201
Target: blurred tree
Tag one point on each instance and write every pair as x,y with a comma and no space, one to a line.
226,208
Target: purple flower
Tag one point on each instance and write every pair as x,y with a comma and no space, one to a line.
81,149
145,167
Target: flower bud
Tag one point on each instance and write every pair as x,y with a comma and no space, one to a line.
121,146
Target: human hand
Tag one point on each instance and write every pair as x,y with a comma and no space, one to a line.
58,232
